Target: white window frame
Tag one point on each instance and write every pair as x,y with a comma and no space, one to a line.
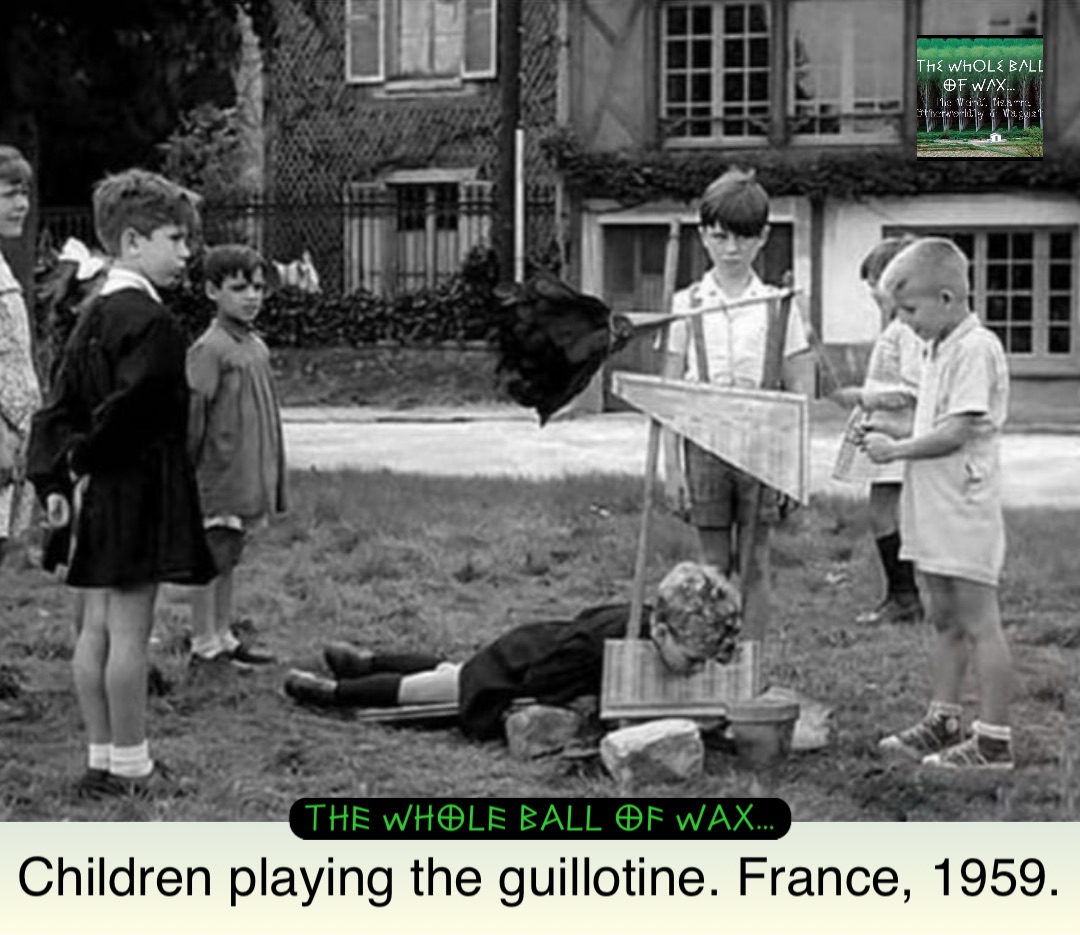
384,76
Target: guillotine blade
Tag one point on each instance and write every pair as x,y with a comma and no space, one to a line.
765,433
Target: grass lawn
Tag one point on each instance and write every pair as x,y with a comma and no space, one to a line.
405,562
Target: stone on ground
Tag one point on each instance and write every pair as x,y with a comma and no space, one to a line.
669,750
537,730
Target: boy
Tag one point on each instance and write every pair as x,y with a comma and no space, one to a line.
234,439
734,228
950,508
696,618
20,394
108,456
885,401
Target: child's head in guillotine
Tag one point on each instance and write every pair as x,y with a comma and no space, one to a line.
734,222
144,221
697,617
928,282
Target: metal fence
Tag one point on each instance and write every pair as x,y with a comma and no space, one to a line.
385,239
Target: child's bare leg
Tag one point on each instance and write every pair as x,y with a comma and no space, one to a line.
130,618
884,509
223,608
980,617
714,543
88,666
952,651
203,613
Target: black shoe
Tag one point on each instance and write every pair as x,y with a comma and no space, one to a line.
159,783
309,688
246,656
348,662
93,784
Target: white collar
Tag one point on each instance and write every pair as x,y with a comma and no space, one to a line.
120,278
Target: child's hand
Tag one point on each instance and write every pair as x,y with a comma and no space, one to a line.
57,511
879,447
847,396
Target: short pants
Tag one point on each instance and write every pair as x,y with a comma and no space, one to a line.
720,493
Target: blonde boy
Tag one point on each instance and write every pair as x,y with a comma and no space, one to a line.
734,229
950,509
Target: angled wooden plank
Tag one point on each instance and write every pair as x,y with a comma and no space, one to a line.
408,714
765,433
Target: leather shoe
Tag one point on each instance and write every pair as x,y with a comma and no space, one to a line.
348,662
309,688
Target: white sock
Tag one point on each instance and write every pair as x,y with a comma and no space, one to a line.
98,756
207,646
229,641
131,762
1000,732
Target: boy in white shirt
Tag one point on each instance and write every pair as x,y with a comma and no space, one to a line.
950,508
734,228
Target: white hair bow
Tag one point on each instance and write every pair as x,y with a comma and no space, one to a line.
75,251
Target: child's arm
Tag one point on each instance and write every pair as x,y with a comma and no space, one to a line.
950,435
204,378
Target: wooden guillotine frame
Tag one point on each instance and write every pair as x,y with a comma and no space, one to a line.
763,432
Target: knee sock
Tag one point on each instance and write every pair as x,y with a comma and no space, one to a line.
131,762
405,663
899,574
371,691
98,757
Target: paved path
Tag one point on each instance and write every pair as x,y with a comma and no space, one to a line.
1040,469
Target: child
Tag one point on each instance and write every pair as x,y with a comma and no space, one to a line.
108,455
950,509
734,214
696,618
20,394
885,402
234,439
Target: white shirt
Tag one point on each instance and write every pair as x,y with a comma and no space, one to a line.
734,338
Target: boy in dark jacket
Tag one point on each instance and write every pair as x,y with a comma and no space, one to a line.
696,618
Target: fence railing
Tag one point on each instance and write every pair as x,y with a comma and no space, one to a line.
385,239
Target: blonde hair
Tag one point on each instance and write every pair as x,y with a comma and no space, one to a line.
929,264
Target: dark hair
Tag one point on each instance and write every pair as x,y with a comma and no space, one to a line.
143,201
874,263
233,259
13,166
737,203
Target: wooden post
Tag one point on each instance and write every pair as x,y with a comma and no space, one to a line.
652,454
509,17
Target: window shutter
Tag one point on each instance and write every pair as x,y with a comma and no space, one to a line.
474,216
366,206
364,26
479,39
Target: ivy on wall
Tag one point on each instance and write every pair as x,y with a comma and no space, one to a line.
649,175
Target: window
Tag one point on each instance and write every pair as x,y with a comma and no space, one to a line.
984,18
419,40
715,65
413,230
1023,285
846,67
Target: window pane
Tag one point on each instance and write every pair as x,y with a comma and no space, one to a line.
759,53
734,53
1021,276
1021,308
997,246
702,21
1021,340
364,36
733,87
676,89
701,54
1060,308
701,88
995,308
1061,246
1060,276
1021,246
677,21
759,18
997,277
676,55
734,19
479,21
1060,340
